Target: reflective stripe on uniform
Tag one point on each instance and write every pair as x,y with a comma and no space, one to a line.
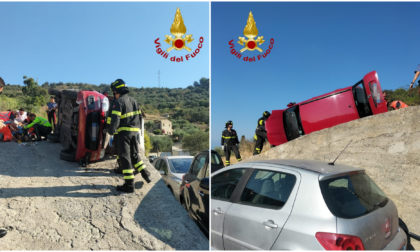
239,159
138,164
108,120
131,114
255,137
128,129
122,85
118,113
129,177
229,137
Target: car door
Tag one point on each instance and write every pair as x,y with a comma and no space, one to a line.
374,93
256,218
223,185
203,196
193,184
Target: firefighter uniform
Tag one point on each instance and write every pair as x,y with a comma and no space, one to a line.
261,133
117,170
230,140
126,123
41,127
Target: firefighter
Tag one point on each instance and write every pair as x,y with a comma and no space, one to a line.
398,105
230,142
261,133
125,122
41,126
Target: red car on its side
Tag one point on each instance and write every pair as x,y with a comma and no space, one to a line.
363,99
80,125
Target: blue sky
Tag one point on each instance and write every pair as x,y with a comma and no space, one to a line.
100,42
318,47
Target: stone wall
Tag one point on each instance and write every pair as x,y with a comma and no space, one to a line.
387,146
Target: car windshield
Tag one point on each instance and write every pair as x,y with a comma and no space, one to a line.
180,165
352,196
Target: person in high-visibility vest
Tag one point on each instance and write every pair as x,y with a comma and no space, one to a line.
41,126
126,121
398,105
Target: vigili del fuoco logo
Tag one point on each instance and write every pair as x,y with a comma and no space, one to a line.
251,44
178,42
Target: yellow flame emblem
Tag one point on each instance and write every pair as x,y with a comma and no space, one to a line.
250,32
178,29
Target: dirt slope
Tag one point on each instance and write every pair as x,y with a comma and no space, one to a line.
50,204
387,146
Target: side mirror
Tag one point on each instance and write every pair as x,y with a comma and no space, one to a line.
204,183
162,172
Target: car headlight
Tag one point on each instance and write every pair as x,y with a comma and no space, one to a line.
105,104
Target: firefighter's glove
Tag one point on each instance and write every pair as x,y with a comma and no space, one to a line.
146,175
223,147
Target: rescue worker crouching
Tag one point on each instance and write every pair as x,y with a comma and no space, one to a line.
230,143
125,122
261,133
41,126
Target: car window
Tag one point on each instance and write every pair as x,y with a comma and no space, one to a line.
352,196
163,166
268,189
215,159
198,165
157,163
180,165
223,184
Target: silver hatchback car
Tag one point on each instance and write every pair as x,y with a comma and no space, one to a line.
172,169
301,205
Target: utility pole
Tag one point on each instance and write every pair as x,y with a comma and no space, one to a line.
159,78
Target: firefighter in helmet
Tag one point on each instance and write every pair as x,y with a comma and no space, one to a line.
125,125
261,133
230,142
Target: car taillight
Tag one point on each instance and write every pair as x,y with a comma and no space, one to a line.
339,242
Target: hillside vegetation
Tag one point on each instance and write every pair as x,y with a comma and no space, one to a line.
190,103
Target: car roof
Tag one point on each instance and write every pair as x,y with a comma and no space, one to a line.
320,167
175,157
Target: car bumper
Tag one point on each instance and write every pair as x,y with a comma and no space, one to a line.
399,242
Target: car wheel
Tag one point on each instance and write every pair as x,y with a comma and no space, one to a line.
53,138
70,93
404,227
53,91
67,156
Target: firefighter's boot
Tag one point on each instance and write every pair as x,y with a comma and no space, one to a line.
127,187
146,175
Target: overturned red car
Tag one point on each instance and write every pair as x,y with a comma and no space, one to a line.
81,123
363,99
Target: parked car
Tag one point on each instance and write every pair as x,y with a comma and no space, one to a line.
195,191
216,161
80,125
172,176
301,205
363,99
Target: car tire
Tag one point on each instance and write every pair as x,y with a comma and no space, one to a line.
53,91
404,227
67,156
53,138
70,93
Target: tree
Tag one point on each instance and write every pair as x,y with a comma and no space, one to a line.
196,142
147,143
149,125
243,139
157,132
161,143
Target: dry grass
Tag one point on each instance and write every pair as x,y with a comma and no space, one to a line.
246,150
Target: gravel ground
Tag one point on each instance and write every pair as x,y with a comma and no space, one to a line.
50,204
